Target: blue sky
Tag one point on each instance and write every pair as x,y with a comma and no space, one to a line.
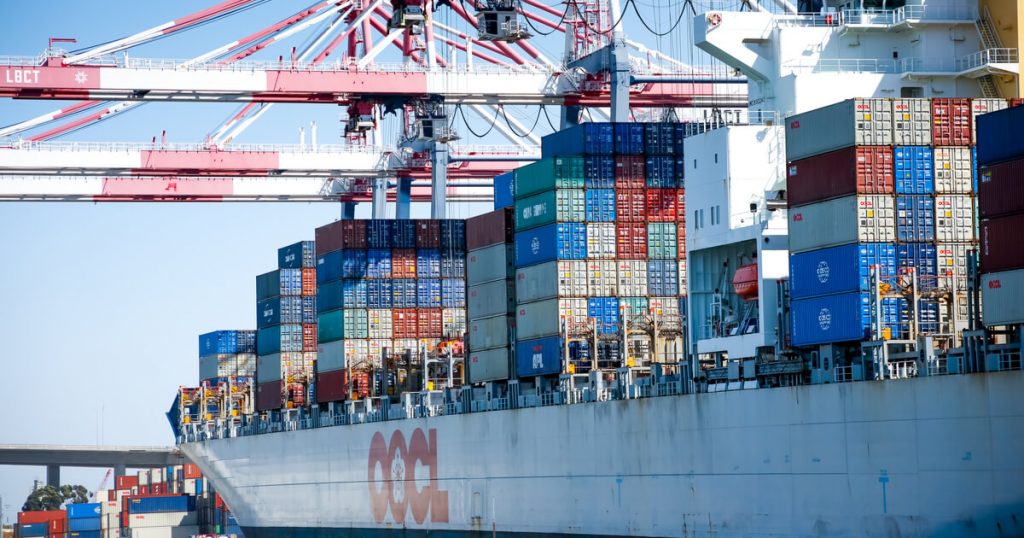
103,303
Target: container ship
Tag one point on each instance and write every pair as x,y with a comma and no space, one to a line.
803,322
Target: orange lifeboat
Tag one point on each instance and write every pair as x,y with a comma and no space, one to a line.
744,282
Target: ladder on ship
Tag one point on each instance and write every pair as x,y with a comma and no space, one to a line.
989,40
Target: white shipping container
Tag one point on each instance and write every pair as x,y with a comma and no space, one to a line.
601,240
953,170
162,519
952,265
489,333
954,218
632,276
424,344
165,532
189,488
380,323
603,278
401,344
566,278
682,277
356,351
156,476
544,318
1001,295
912,122
665,310
108,507
495,262
854,122
377,346
852,219
331,355
453,322
489,365
981,106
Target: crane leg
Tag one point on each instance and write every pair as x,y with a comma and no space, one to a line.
403,197
379,202
348,210
439,180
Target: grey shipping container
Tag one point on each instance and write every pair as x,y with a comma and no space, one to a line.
330,356
491,263
544,318
489,333
911,122
268,367
854,122
852,219
491,299
566,278
489,365
1001,296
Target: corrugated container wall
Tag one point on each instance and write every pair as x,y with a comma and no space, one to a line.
852,170
853,219
854,122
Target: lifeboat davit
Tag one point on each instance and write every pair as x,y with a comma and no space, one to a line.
744,282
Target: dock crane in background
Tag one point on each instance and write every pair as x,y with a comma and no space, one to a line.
348,60
102,486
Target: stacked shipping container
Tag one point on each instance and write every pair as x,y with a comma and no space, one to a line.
1001,208
227,357
598,244
884,185
490,307
286,329
388,287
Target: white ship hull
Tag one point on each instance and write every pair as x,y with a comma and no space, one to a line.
936,456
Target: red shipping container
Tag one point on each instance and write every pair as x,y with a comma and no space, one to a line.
403,263
309,337
361,384
490,229
126,482
662,205
1016,101
143,490
844,172
111,494
218,501
428,234
158,488
681,239
1001,244
630,172
309,281
331,386
429,323
404,323
41,516
631,240
951,122
1001,189
630,205
268,396
328,238
191,470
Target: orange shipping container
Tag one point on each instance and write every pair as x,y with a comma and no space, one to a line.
429,323
630,205
951,122
631,240
309,337
404,323
309,281
403,263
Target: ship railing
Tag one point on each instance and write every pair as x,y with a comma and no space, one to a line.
843,374
904,369
499,404
554,398
452,408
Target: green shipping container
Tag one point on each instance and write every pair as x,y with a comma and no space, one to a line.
356,323
633,308
330,326
548,174
661,241
562,205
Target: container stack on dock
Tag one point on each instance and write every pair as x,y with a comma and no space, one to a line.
48,524
287,329
881,187
392,292
84,520
490,303
1001,209
598,248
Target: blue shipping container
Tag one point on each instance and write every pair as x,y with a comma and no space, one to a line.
352,293
659,139
277,310
84,510
403,293
504,191
924,258
974,171
279,338
560,241
428,263
308,309
629,138
927,317
584,139
378,263
842,269
85,534
353,264
600,205
218,342
842,317
663,277
405,234
599,172
915,218
606,311
291,281
453,235
999,136
296,256
84,524
453,293
152,505
539,357
914,167
453,265
378,293
268,285
428,293
33,529
328,267
679,135
379,233
661,172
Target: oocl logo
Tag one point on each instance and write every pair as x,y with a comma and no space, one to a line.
823,271
825,319
392,472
